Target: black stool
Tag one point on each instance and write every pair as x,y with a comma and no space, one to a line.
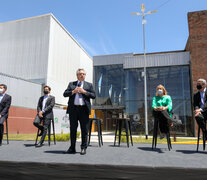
6,122
154,141
48,133
98,125
127,123
204,138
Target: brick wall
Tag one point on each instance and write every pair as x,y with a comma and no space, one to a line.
197,44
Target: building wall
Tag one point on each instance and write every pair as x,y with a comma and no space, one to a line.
24,47
197,44
65,57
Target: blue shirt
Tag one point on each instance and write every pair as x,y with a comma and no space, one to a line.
44,102
202,97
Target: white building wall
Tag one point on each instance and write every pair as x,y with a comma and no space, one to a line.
65,57
24,47
24,94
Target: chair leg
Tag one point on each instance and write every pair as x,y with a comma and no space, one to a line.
130,131
99,134
198,138
7,132
120,126
168,141
89,136
49,133
127,131
153,138
116,132
53,127
156,129
204,141
37,137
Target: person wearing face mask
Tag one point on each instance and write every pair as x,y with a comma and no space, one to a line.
200,105
79,107
162,109
5,103
44,113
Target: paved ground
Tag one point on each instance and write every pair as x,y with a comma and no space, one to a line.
184,156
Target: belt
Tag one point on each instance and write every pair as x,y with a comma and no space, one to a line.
79,105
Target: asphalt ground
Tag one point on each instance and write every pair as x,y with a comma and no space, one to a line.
23,159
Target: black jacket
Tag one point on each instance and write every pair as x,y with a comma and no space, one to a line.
4,107
88,87
197,101
48,106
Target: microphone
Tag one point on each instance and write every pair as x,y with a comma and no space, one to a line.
79,84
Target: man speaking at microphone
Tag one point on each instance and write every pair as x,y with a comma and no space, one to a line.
79,107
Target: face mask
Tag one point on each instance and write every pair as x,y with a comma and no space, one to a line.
46,92
1,90
199,87
159,91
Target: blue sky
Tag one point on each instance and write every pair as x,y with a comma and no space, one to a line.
107,27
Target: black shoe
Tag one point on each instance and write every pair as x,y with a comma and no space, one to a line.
83,151
70,151
39,145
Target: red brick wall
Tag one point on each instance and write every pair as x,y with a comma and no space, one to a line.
20,121
197,44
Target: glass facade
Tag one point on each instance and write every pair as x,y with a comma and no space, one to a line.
120,90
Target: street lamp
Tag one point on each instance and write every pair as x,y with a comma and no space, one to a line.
145,75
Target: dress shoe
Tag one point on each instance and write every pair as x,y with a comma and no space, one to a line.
162,135
70,151
39,145
83,151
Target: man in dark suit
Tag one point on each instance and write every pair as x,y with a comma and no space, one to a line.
44,113
79,107
5,102
200,104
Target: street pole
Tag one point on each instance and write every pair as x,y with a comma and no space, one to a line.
145,64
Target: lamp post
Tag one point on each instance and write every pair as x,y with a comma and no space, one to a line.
145,75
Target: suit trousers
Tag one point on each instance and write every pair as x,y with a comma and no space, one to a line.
201,119
79,113
164,119
44,127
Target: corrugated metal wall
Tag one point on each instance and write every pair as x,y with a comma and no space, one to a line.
155,60
24,47
110,59
24,93
65,57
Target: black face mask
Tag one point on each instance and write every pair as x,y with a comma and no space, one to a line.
199,87
46,92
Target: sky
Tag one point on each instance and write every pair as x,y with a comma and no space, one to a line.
107,27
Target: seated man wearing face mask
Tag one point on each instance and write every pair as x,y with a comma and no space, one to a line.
162,107
44,113
200,104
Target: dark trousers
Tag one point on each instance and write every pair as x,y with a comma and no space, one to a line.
44,127
164,120
1,132
201,119
79,113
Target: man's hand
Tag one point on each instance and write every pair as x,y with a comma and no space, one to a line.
40,114
197,112
0,115
75,91
81,90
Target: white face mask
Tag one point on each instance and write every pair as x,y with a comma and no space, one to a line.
159,91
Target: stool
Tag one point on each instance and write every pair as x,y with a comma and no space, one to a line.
204,138
154,141
98,125
48,132
6,131
127,123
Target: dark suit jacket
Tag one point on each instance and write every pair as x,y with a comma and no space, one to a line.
197,101
48,106
86,97
4,107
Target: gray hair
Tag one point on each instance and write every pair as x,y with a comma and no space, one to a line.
80,69
202,80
